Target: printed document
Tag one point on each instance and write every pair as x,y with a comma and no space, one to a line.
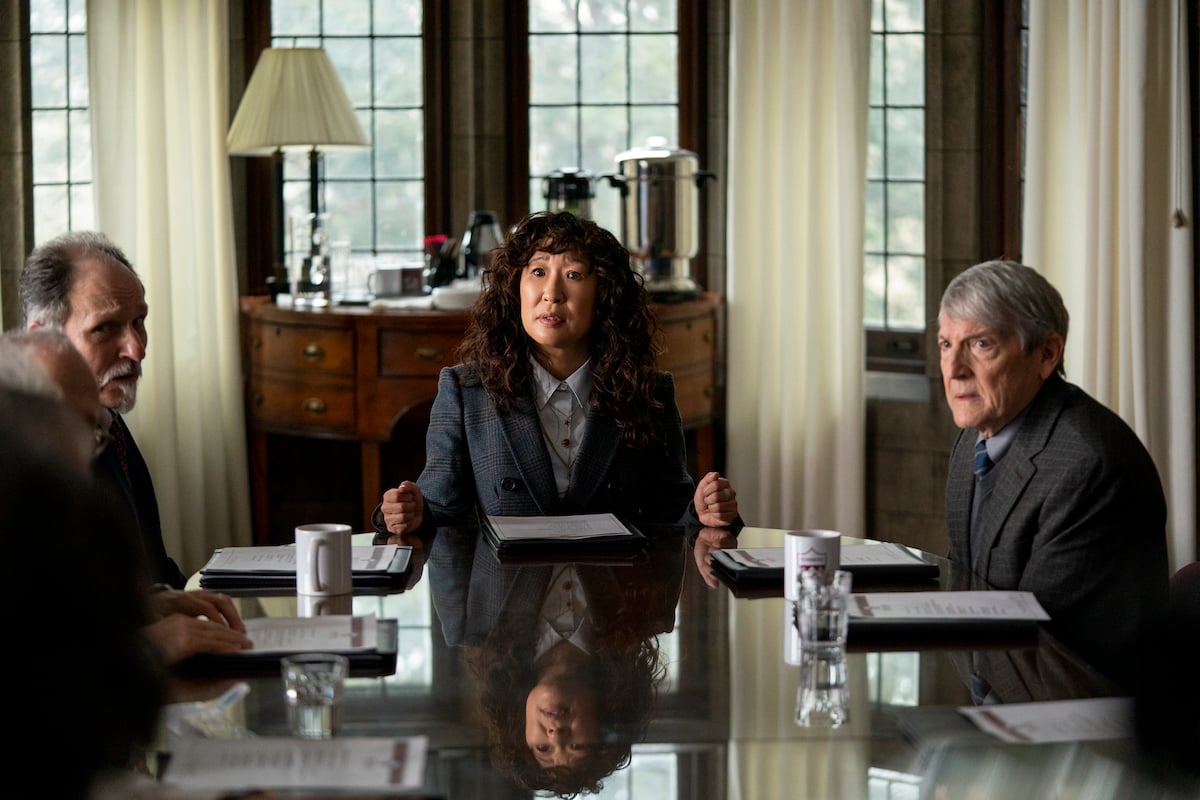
887,553
995,605
291,763
575,526
282,558
337,633
1055,721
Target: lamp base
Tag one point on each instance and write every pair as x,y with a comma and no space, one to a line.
302,301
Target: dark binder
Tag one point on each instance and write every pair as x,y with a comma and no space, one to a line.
388,579
248,664
768,580
613,547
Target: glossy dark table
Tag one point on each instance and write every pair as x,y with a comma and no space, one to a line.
721,724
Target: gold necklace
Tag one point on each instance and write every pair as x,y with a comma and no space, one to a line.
570,465
568,462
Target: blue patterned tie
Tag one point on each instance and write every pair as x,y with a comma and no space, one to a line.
982,462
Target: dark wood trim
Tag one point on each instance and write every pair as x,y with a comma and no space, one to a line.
1192,9
1001,129
262,195
693,106
516,110
437,105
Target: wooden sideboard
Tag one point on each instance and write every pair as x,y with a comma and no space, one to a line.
352,374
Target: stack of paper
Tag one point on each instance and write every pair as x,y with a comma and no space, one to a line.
974,606
955,616
369,643
1055,721
755,566
372,566
563,534
390,765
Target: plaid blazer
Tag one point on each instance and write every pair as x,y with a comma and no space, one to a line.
499,464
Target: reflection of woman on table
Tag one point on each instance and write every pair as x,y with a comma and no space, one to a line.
564,654
557,407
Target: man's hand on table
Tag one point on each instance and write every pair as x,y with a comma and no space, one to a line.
187,623
197,603
179,636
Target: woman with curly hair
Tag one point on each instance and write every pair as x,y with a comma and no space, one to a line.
564,655
556,407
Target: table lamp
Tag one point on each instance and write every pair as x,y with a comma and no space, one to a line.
296,102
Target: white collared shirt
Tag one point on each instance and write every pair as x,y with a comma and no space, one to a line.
564,614
998,445
562,408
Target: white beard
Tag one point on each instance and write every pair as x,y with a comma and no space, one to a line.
128,397
128,391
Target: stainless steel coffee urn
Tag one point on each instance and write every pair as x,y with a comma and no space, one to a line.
569,189
660,215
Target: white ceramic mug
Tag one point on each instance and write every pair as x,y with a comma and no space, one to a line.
323,559
809,550
398,281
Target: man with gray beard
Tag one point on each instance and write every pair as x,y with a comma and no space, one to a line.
82,284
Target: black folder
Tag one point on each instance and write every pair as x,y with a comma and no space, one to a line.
248,664
387,578
767,579
627,543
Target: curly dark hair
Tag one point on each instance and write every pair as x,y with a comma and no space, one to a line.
626,672
623,346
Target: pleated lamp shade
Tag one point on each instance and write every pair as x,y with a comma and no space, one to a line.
294,101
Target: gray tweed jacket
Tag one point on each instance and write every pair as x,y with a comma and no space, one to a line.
1077,516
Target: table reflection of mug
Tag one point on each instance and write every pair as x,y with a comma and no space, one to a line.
316,605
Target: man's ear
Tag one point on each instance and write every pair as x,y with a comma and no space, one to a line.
1050,353
34,323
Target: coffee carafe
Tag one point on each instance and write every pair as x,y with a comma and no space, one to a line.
569,189
483,233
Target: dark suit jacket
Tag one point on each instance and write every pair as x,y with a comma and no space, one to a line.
137,491
1076,516
499,463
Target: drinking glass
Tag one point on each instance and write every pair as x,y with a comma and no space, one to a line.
313,684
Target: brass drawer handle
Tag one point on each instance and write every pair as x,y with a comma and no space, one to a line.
258,399
315,405
429,353
708,336
313,351
256,343
708,392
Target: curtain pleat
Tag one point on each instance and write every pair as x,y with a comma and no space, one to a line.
158,77
797,166
1107,219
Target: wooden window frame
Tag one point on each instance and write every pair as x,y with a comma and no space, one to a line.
262,182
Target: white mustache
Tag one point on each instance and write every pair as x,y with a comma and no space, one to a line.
120,371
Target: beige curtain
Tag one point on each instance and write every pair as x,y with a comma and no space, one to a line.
1108,218
797,166
159,105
